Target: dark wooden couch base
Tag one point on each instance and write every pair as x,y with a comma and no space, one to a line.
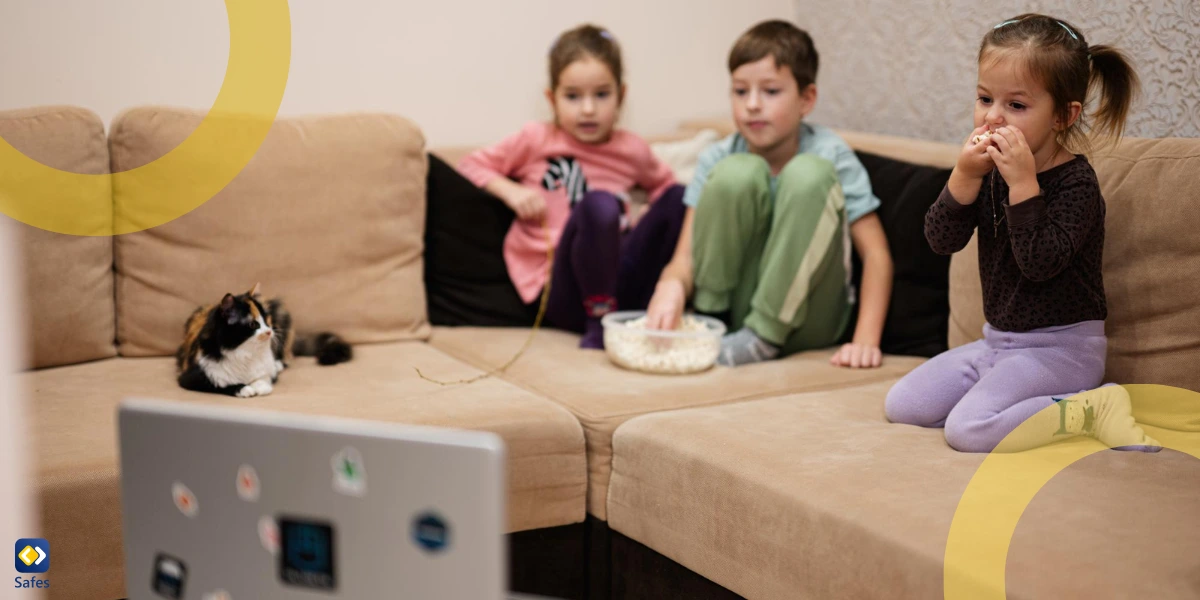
607,566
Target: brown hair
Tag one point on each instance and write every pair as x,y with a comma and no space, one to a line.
789,45
581,42
1057,54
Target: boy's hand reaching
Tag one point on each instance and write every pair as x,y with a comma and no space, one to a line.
857,356
666,305
1014,160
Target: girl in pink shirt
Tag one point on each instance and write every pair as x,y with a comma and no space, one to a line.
570,180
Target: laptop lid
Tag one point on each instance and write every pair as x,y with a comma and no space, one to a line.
224,503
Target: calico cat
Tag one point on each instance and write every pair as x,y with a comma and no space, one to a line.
239,346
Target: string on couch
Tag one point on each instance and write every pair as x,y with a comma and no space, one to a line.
537,322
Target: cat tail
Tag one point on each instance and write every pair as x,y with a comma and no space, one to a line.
329,348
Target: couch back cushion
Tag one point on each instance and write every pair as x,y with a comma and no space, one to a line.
68,278
1151,189
966,296
329,215
466,279
917,313
920,152
907,175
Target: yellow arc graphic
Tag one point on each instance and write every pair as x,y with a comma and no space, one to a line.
1005,484
190,174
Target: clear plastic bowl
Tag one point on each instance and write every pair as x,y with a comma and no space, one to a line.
691,348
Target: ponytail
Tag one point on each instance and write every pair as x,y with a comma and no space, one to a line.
1118,84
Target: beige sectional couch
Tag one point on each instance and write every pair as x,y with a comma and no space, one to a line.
816,496
781,480
329,215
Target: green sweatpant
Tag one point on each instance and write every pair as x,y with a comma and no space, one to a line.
776,261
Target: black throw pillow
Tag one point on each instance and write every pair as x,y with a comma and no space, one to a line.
919,310
466,280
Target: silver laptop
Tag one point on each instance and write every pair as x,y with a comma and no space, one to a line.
241,504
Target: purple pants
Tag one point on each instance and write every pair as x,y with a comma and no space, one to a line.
982,391
598,267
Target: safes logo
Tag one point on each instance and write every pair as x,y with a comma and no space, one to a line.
32,555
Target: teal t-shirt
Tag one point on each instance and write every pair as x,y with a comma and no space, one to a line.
814,139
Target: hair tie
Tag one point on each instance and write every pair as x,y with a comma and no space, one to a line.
606,35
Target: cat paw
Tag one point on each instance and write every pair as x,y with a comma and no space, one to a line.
262,386
247,391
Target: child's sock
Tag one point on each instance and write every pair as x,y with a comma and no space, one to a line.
593,332
1106,414
745,347
593,335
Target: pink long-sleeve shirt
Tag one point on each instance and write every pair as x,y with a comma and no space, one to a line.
544,157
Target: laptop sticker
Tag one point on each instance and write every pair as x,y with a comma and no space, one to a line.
307,557
185,500
349,473
268,534
247,483
170,577
431,532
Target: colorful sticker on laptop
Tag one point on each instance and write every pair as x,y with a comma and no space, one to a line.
268,534
431,532
247,484
349,473
170,576
185,500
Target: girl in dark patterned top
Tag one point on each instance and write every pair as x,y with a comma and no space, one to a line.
1039,214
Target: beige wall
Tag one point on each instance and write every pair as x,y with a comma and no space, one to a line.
908,68
466,71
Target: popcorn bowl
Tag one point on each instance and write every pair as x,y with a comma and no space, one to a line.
690,348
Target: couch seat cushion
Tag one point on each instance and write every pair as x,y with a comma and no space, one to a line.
602,396
817,496
73,416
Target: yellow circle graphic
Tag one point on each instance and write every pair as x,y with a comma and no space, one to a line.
1005,484
165,189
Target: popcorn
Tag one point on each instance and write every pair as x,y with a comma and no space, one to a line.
630,345
987,135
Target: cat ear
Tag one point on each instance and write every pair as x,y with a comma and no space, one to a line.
227,302
254,291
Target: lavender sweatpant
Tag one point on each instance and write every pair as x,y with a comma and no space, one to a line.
982,391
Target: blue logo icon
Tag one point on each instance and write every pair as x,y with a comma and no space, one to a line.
308,554
431,532
32,555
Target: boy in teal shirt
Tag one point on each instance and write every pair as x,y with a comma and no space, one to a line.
772,211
